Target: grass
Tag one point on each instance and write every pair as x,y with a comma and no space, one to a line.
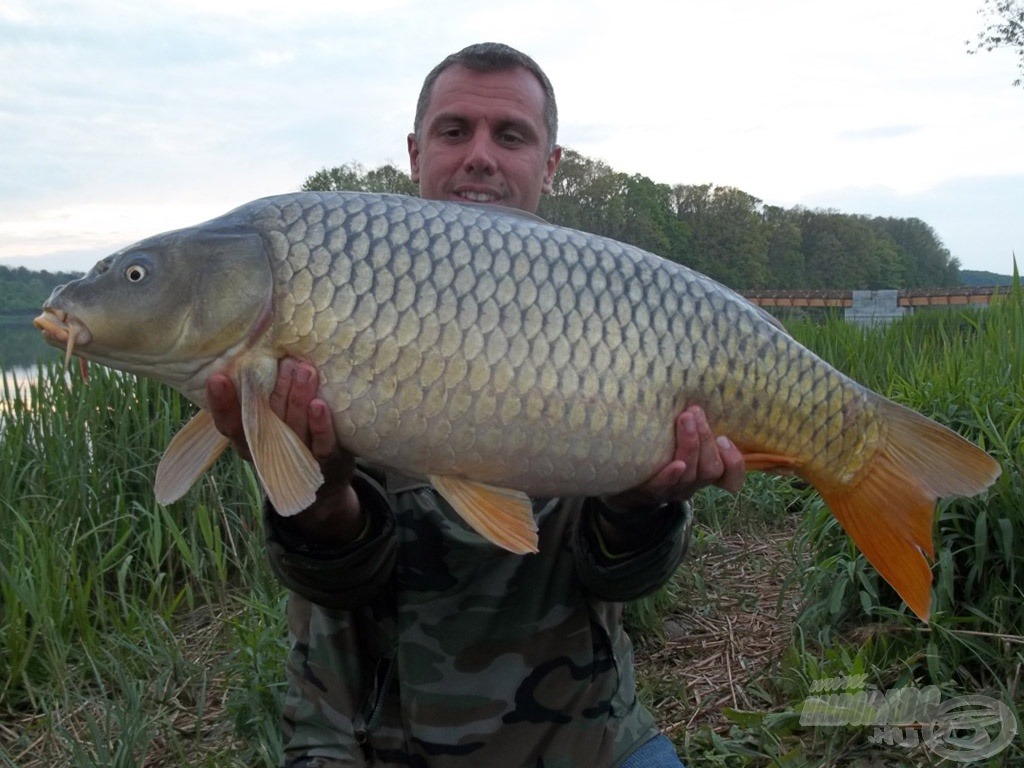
130,633
967,370
133,634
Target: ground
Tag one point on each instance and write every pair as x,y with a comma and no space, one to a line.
716,634
731,621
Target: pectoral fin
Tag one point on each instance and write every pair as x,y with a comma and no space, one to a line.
502,516
190,453
286,468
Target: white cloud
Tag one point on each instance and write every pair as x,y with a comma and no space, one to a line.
119,119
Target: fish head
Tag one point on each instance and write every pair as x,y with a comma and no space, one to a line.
175,307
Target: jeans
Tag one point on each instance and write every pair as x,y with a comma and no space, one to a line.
656,753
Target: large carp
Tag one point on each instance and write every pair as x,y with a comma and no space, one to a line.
501,357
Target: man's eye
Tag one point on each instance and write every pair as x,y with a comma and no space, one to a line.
510,138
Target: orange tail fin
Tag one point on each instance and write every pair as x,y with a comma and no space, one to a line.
889,510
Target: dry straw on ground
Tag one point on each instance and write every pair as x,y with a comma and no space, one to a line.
721,639
724,633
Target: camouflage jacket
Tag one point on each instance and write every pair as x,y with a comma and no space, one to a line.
425,645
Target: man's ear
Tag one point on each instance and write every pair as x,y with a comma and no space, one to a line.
414,158
549,169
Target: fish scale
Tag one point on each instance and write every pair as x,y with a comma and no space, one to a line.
501,357
576,304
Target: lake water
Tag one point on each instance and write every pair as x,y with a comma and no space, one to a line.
21,343
15,380
21,349
20,377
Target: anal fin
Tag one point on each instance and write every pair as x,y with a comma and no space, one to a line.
770,462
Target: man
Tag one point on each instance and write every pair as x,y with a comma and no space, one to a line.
414,641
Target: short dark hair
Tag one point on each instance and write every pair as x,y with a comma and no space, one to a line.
492,57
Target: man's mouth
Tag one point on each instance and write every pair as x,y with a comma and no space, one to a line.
477,197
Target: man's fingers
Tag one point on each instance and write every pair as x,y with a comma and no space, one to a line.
710,465
222,403
282,387
300,394
294,389
322,440
734,469
294,401
304,385
711,460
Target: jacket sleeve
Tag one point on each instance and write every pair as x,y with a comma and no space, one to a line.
619,578
346,578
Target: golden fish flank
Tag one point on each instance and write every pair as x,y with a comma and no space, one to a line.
500,356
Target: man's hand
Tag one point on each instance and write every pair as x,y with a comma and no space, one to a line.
700,459
335,517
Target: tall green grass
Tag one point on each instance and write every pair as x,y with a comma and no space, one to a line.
104,594
966,370
134,634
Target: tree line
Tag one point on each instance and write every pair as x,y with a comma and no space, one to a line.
724,232
24,290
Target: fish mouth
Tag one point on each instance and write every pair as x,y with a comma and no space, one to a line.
60,329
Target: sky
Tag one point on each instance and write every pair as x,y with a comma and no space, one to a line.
122,119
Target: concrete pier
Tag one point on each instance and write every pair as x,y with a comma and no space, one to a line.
874,307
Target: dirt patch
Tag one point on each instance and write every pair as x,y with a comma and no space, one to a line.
732,621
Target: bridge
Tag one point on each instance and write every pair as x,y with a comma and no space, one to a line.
870,307
905,297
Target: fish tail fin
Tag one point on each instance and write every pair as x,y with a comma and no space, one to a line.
889,510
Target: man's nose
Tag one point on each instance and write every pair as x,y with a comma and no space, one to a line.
480,155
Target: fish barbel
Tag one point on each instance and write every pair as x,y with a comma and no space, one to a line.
501,357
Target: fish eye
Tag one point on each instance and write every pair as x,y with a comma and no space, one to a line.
135,273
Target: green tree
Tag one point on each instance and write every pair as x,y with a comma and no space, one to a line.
724,232
825,255
650,220
353,177
836,250
729,237
785,257
24,290
1004,20
586,194
924,261
844,251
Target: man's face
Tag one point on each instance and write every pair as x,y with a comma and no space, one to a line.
483,140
